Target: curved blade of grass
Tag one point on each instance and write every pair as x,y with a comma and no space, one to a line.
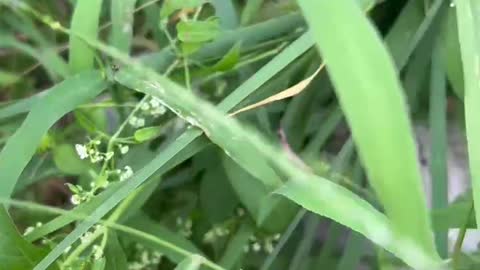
84,21
60,100
121,12
401,40
468,20
355,56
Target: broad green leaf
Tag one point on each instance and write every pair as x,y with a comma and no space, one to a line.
67,160
198,31
355,55
468,21
81,56
61,99
148,133
15,252
121,12
170,6
191,263
114,254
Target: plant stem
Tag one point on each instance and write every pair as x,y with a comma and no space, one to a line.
457,249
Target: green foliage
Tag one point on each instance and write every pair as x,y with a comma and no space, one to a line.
135,145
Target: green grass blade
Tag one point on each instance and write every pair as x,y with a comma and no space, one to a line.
121,12
81,57
438,138
451,55
364,75
468,20
401,40
60,100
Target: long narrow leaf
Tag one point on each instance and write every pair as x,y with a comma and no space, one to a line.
81,56
468,21
122,20
364,76
60,100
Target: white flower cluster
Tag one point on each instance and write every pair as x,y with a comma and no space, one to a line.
184,226
97,252
126,173
153,107
145,259
79,195
215,233
90,150
266,244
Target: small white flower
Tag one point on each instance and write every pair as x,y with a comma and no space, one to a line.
85,238
127,173
28,230
75,199
145,107
136,122
256,247
160,110
155,102
66,250
38,224
123,149
81,151
97,252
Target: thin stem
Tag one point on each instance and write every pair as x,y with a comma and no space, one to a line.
187,73
457,249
